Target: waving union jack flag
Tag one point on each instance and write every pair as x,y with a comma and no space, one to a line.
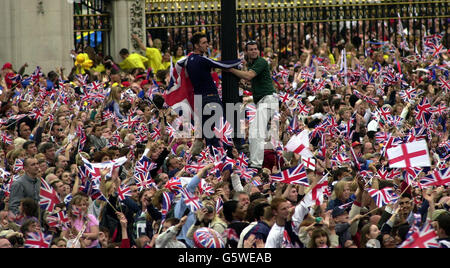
18,165
58,219
251,112
191,200
38,240
174,184
49,197
383,197
123,192
295,175
437,178
37,74
424,237
224,132
205,188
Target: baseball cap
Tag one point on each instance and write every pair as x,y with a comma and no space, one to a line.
337,211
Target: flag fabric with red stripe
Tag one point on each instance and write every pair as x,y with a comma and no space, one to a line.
180,87
224,132
316,195
295,175
208,238
414,154
191,200
123,192
166,203
174,184
382,197
49,197
437,178
424,237
310,163
37,240
299,144
205,188
58,220
18,165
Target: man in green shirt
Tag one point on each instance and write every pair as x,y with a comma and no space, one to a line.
264,96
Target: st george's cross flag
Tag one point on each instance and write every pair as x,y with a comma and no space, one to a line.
414,154
310,163
299,144
315,196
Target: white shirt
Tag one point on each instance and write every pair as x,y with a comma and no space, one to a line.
244,232
275,237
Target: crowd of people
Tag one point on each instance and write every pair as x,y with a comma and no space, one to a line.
94,159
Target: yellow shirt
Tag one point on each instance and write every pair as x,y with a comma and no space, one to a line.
99,68
331,57
133,61
154,59
166,65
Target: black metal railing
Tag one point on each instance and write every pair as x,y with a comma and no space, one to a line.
287,26
92,25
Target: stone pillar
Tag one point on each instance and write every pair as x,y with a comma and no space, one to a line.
39,32
128,16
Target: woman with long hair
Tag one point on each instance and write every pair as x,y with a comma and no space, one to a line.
113,101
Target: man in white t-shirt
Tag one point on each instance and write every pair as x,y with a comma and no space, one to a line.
280,209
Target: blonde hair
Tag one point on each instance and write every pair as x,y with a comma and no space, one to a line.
339,189
77,199
112,95
14,154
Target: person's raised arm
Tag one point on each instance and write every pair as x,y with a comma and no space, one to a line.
139,41
196,179
308,56
22,69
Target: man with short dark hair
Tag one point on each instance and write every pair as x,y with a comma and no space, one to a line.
28,185
96,139
234,215
59,187
264,96
131,61
265,222
199,68
57,133
30,148
48,149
